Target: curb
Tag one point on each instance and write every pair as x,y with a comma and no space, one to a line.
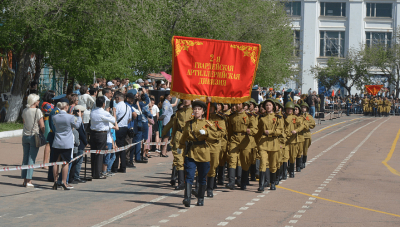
13,133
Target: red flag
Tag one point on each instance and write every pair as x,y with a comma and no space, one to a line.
222,70
373,89
333,93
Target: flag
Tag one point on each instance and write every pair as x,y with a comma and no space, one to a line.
333,93
222,70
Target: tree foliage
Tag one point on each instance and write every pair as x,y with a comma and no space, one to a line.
131,38
385,60
348,72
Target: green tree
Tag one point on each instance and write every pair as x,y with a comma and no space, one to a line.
385,59
348,72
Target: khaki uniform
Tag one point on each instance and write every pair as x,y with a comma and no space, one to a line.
293,124
215,147
175,138
380,106
199,150
269,145
309,124
223,155
254,150
300,136
182,116
366,107
239,140
387,106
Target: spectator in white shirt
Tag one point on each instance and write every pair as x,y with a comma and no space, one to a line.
100,120
124,116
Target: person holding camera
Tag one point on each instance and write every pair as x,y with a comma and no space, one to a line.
124,116
100,120
63,143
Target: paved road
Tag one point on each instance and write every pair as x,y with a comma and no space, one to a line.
345,183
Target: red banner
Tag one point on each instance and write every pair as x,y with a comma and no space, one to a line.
373,89
222,70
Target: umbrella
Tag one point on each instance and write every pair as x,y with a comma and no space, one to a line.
166,76
289,90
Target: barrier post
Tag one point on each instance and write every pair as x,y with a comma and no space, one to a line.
86,178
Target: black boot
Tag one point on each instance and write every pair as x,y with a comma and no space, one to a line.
188,195
196,186
173,176
221,175
280,176
231,184
181,180
261,182
273,177
253,172
239,176
210,186
244,180
304,161
301,162
277,176
200,198
267,178
258,168
291,170
298,164
215,182
284,171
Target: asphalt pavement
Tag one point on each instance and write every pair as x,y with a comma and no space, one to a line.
352,178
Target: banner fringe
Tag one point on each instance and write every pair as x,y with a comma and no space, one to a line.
216,99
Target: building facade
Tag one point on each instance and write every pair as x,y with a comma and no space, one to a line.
326,28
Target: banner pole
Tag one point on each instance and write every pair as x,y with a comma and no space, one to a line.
208,110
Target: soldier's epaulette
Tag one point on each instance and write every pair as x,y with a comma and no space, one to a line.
209,123
249,114
221,115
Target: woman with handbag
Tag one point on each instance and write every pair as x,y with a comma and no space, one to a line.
33,120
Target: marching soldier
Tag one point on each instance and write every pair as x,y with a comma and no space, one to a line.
309,124
270,127
223,157
240,129
182,116
300,136
365,103
387,106
196,133
374,104
283,152
254,153
292,127
215,147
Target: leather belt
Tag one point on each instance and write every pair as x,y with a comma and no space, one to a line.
197,142
240,133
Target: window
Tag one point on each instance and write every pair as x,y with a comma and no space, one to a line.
336,9
379,10
293,8
296,43
331,44
379,38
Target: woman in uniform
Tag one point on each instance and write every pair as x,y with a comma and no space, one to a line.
197,152
270,127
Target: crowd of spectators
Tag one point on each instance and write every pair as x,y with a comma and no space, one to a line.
102,116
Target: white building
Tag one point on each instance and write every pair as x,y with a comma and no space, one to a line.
325,28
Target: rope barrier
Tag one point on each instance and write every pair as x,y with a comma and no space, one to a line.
76,158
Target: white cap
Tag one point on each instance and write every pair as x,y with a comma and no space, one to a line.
162,82
139,81
110,83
